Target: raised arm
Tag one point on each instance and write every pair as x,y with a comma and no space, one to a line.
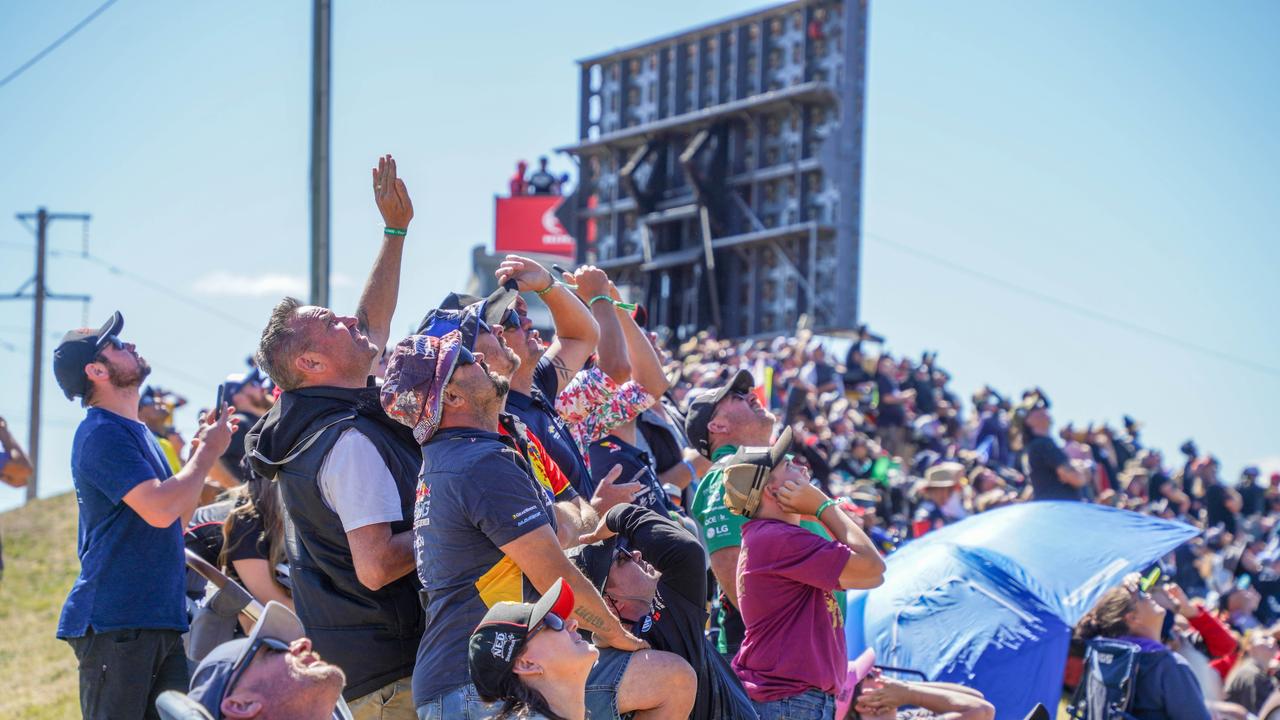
378,300
864,568
160,503
646,365
539,557
611,350
576,331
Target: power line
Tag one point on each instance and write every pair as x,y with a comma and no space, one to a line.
163,289
1075,308
54,46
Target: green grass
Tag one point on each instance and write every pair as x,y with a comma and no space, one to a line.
40,566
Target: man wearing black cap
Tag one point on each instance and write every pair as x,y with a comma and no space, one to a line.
272,673
718,423
126,612
653,574
347,474
1048,468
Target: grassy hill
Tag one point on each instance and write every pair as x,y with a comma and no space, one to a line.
40,566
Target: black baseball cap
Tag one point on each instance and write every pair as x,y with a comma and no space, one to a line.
79,348
747,472
703,406
596,560
491,653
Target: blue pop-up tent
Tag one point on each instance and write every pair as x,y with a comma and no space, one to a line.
990,601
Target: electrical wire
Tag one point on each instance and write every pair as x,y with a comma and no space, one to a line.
54,45
1074,307
163,289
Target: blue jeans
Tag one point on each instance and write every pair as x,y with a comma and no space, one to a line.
462,703
808,705
602,684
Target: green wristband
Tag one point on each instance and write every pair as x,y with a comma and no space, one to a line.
394,231
593,300
624,306
822,508
546,289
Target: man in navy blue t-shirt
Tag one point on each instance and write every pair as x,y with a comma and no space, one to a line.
125,614
543,371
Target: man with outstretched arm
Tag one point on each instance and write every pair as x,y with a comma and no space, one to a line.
347,473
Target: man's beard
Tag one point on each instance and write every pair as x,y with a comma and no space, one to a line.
501,385
132,377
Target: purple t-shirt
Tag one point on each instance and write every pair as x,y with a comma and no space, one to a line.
795,630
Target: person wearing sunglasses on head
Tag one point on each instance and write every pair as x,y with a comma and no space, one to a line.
126,612
272,673
1164,685
787,578
531,658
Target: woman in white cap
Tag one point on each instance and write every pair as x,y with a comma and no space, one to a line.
532,658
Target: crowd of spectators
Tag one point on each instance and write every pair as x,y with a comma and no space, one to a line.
453,515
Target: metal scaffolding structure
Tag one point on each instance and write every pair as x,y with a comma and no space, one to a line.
720,170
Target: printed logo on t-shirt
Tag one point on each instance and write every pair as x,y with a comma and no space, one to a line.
526,515
833,608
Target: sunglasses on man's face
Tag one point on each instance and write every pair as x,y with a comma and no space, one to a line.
271,644
512,320
113,341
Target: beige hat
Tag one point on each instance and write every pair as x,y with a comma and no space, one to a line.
942,475
747,473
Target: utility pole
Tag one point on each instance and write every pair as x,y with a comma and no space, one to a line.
39,293
321,37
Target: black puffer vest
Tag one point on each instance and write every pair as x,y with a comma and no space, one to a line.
371,634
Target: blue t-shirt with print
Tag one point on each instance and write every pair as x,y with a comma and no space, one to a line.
131,574
476,494
537,411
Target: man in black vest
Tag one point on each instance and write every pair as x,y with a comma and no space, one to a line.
347,474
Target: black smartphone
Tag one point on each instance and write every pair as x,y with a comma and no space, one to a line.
222,398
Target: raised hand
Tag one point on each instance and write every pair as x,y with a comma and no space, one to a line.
591,282
527,273
216,431
391,195
602,532
796,496
610,492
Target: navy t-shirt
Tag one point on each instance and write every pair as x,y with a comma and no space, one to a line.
475,495
537,411
610,451
132,575
1044,457
889,415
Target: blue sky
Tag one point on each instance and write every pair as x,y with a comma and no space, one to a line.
1121,157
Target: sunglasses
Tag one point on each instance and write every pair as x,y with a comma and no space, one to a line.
512,320
113,341
550,620
271,644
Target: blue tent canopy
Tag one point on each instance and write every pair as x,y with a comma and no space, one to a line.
990,601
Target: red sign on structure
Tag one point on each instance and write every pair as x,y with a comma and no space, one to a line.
528,223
